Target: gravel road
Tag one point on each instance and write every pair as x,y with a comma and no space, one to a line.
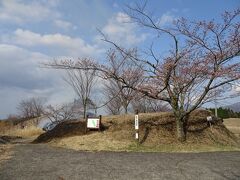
39,161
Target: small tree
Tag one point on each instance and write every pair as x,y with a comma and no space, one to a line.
82,83
13,118
60,113
30,108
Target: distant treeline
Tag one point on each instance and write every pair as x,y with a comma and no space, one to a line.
226,113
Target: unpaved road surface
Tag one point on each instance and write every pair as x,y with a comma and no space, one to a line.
31,161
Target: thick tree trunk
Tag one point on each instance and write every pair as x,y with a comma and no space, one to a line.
181,133
181,122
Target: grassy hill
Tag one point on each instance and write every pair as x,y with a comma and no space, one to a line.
157,133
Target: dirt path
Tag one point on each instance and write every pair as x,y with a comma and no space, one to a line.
39,161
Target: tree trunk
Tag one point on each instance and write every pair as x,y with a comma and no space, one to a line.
95,109
126,109
84,110
181,134
179,120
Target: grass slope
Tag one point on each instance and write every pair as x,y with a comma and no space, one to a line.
157,133
233,124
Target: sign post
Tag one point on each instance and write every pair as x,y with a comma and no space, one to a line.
136,126
93,123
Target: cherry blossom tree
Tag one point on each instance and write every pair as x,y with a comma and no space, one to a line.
111,93
121,96
202,62
144,104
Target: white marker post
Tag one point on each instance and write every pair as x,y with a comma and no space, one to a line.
209,120
136,127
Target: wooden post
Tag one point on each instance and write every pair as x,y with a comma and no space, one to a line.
100,123
210,125
136,127
86,124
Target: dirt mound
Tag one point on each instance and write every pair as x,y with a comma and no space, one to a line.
154,129
160,128
64,129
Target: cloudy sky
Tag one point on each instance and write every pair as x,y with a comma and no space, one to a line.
35,31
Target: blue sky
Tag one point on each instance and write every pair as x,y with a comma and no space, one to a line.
34,31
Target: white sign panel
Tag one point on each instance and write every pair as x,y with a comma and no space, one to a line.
209,118
93,123
136,122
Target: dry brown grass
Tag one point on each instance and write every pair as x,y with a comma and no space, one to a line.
93,142
159,128
233,124
5,153
27,132
104,142
157,133
30,128
4,126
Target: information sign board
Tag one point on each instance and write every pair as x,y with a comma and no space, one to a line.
209,118
93,123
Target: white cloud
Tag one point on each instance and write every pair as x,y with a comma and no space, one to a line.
19,67
51,3
166,19
19,11
64,24
120,29
22,77
22,12
61,45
